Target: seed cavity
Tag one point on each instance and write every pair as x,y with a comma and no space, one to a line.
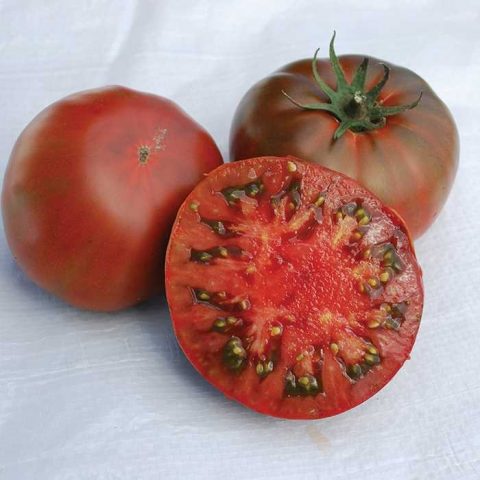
389,258
263,368
234,354
233,194
371,359
225,324
389,316
219,300
355,210
372,287
354,371
303,386
392,259
206,256
293,194
202,295
220,227
200,256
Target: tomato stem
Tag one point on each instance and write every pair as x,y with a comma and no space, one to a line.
354,108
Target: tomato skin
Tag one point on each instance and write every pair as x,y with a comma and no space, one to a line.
84,217
289,277
410,164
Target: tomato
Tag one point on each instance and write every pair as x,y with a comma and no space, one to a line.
348,117
291,288
92,188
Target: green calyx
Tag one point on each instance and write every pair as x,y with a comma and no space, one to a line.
356,109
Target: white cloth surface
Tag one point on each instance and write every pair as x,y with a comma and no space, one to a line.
111,396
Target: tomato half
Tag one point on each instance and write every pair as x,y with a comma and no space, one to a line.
345,116
92,188
291,288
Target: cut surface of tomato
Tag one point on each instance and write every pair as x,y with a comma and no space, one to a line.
291,288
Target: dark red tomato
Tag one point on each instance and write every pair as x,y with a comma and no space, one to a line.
92,188
349,118
291,288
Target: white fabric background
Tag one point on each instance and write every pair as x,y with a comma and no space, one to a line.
92,396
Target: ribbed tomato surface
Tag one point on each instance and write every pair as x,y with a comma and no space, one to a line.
410,163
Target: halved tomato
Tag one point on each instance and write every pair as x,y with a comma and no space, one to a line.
291,288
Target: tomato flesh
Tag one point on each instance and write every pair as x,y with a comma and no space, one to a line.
291,288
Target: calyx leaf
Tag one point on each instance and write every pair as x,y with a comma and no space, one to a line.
355,109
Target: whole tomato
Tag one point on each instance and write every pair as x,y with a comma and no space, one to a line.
92,188
347,117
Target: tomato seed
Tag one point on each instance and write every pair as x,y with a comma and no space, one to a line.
354,371
243,305
392,323
371,359
384,277
291,167
360,213
219,324
371,349
357,235
308,385
334,348
364,220
275,331
234,355
320,200
303,386
202,295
